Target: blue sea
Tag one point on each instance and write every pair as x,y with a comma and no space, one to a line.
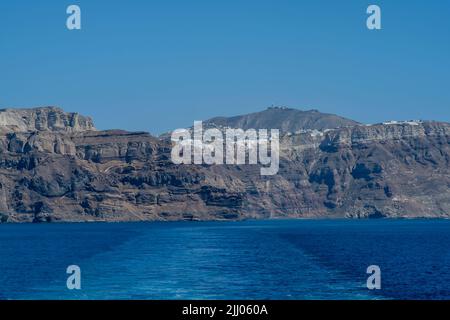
277,259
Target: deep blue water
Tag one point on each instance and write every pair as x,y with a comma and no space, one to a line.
291,259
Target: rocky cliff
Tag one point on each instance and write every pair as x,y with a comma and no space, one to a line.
55,167
43,119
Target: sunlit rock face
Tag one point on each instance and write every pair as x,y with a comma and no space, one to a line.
54,166
44,119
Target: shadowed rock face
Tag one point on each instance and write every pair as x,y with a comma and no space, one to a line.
385,170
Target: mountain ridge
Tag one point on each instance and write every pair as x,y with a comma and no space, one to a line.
283,118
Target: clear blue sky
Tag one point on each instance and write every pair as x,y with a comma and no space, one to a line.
156,65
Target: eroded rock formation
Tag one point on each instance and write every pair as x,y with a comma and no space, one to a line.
54,166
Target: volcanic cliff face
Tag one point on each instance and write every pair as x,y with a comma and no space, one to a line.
43,119
56,168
